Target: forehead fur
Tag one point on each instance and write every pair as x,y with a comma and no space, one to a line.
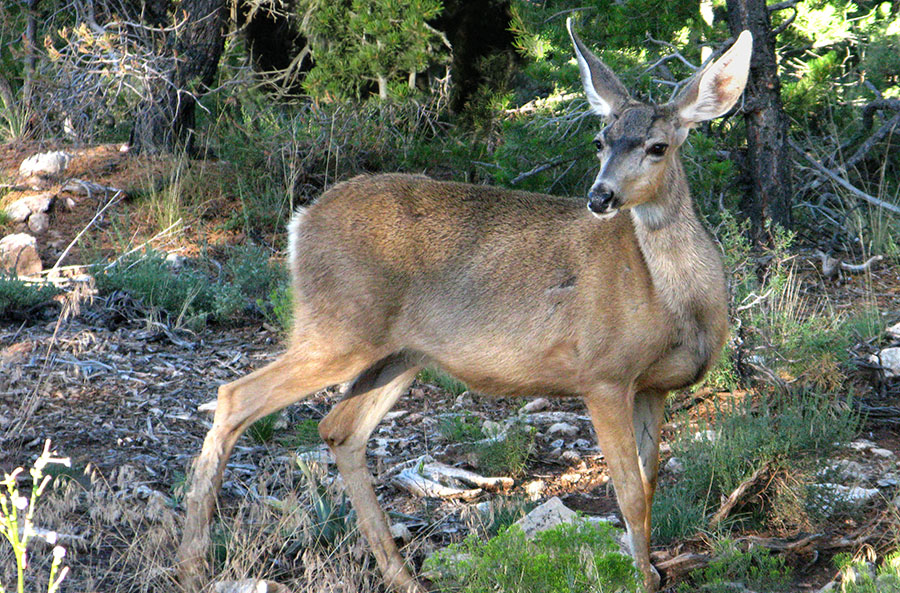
640,121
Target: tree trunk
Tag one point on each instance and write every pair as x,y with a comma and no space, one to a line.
167,121
767,125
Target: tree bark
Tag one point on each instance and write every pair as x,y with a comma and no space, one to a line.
767,125
167,121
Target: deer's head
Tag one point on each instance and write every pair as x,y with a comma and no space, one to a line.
639,141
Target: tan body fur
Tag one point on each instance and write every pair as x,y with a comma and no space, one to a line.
511,292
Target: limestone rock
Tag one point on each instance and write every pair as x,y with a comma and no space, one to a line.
562,429
889,358
537,405
18,254
38,169
21,209
547,516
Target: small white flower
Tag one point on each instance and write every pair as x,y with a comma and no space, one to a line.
20,503
59,553
51,537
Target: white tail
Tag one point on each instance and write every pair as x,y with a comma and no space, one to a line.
514,293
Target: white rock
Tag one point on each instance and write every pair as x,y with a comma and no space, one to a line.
885,481
562,429
547,516
557,444
894,331
38,222
46,164
846,469
21,209
553,417
492,429
856,495
249,586
321,455
583,444
861,444
536,405
706,435
571,456
889,358
534,489
879,452
18,252
674,465
401,531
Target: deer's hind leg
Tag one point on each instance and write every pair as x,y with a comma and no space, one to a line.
346,429
297,374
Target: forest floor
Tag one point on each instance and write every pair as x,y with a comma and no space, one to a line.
118,392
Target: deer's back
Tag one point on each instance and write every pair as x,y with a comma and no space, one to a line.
489,283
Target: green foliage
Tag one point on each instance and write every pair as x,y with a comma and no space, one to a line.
18,298
440,378
188,295
756,569
785,432
576,557
331,518
305,434
461,428
858,576
360,43
507,454
502,512
263,430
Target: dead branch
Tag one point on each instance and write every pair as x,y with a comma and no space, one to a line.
735,497
878,105
675,54
843,182
96,217
782,5
887,128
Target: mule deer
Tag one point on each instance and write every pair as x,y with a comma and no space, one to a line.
514,293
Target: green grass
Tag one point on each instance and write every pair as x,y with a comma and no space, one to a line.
733,569
567,558
304,434
790,434
461,428
440,378
506,456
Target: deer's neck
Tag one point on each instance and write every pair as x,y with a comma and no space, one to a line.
681,256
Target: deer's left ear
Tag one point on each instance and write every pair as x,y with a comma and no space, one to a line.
715,89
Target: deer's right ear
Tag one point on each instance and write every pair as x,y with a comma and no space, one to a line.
604,92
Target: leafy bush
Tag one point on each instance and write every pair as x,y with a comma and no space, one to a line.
732,569
576,557
18,297
461,428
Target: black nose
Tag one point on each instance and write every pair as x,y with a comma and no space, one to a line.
601,199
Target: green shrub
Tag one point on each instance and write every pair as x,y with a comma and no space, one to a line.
501,512
263,430
508,454
789,433
577,557
461,428
732,569
18,297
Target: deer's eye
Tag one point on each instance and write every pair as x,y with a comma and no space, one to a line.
658,149
598,144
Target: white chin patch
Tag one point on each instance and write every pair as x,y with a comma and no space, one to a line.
606,215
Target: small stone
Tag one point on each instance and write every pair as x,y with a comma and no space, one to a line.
562,429
665,448
583,444
884,453
492,429
706,435
889,359
861,444
571,456
886,481
533,489
18,253
401,531
537,405
558,444
548,515
38,222
674,465
894,331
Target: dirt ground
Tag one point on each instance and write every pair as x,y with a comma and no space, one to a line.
118,392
